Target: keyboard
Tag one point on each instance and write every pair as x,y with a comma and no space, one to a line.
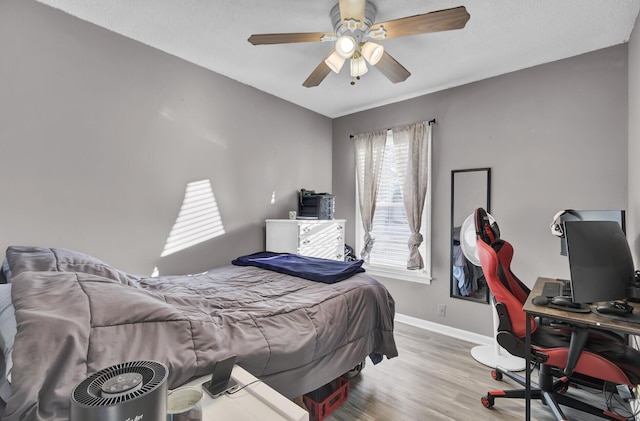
555,289
551,289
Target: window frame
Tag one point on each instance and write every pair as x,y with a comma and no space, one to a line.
421,276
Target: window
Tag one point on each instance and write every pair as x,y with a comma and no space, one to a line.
390,227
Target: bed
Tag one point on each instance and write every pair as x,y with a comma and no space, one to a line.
76,315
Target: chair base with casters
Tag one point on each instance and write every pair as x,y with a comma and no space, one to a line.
551,392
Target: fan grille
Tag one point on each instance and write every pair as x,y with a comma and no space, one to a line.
89,391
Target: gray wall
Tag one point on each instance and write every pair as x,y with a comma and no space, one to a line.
634,141
99,136
555,137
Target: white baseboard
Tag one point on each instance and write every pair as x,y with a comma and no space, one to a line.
445,330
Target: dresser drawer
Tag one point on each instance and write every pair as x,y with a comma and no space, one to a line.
318,238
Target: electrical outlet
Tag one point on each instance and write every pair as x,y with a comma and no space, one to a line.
442,310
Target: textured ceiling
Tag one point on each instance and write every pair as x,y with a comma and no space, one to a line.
502,36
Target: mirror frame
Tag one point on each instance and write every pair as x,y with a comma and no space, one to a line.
483,290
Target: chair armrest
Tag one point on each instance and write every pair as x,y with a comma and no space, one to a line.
515,346
504,323
509,341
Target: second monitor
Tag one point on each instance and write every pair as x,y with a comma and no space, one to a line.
585,215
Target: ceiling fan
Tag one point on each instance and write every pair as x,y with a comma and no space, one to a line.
354,35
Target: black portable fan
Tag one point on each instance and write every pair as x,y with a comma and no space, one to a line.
135,390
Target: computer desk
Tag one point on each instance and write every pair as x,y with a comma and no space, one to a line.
577,340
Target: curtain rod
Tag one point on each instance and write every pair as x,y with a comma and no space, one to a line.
432,121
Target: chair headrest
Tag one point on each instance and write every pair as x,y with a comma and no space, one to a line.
485,230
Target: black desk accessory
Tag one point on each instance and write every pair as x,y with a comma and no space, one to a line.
221,380
633,293
617,308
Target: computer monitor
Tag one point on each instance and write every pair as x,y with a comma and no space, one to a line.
590,215
600,261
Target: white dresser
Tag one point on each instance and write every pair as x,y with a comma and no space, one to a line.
316,238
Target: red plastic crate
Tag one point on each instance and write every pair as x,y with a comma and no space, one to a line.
320,406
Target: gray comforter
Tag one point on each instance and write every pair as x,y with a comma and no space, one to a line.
76,315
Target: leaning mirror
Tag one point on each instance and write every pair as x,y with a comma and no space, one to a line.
470,189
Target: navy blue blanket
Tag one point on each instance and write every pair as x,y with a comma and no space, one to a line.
311,268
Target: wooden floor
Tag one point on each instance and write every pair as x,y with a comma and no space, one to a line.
435,378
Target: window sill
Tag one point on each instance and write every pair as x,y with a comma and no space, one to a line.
416,276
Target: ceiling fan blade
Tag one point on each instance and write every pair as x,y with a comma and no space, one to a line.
262,39
441,20
393,70
352,10
317,76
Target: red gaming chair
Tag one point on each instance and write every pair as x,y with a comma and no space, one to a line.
604,362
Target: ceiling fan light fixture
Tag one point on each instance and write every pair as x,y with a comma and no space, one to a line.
355,28
345,46
335,62
372,52
358,66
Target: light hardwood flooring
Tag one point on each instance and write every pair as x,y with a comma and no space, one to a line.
435,378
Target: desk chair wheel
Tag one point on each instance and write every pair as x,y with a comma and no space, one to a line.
496,375
488,401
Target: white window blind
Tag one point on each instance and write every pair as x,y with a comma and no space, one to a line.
390,226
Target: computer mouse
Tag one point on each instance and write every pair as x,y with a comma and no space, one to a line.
564,301
615,307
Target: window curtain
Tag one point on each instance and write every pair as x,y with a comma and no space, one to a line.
369,157
412,144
